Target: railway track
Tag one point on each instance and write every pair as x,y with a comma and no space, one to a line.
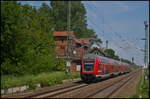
103,89
58,92
109,90
100,88
42,91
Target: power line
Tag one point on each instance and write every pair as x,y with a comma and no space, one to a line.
110,27
120,37
102,23
129,43
103,31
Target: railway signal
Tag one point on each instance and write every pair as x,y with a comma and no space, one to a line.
106,44
132,59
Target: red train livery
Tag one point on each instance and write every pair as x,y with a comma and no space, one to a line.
94,66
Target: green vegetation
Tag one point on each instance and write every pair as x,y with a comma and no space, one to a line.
27,45
111,54
45,79
78,19
143,86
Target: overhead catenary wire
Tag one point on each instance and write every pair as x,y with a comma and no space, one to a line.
117,34
126,41
102,31
110,27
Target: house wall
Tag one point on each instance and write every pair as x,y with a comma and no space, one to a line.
61,50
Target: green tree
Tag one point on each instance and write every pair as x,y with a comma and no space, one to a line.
126,61
111,54
59,14
116,57
78,19
11,34
27,46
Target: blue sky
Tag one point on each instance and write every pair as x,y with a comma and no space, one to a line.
124,17
119,22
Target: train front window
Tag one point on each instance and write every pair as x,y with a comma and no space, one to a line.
88,66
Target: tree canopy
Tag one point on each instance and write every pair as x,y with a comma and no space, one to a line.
27,45
78,19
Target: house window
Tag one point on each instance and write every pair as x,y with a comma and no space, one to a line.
62,47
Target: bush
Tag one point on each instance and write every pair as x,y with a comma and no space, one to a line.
46,79
60,65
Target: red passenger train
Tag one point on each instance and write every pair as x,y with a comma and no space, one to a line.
94,67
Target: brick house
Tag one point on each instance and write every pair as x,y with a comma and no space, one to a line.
78,48
61,42
81,48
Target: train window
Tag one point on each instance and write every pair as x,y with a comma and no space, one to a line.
88,66
104,60
99,67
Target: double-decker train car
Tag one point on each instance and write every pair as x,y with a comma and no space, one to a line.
95,66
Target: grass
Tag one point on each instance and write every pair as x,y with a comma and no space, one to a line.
46,79
143,86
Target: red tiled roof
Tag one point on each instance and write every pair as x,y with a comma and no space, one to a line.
62,33
82,40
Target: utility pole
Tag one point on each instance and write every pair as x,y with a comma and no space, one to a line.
68,36
146,57
132,59
103,24
106,44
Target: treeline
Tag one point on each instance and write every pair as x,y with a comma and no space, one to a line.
27,44
111,54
